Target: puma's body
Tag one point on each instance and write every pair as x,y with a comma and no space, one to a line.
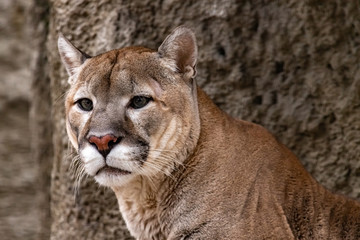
188,170
253,188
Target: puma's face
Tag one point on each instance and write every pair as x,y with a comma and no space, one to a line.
132,111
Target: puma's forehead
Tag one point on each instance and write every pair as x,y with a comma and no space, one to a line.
109,64
120,70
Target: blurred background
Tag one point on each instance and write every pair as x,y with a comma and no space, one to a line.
19,215
291,66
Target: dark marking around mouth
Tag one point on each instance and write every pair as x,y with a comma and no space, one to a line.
112,170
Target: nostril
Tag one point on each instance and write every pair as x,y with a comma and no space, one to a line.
113,142
92,143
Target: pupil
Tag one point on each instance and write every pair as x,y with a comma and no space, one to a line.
86,104
139,101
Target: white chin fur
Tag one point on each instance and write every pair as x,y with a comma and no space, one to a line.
111,180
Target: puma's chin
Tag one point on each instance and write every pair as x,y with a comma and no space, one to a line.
113,177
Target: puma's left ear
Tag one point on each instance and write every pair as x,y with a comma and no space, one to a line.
71,56
180,47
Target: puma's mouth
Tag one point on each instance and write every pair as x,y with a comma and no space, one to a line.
112,171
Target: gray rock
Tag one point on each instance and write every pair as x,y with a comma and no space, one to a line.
19,216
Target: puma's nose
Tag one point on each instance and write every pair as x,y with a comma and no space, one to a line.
104,143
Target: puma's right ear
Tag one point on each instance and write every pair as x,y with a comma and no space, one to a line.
71,56
180,47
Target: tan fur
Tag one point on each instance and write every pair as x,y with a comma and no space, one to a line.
196,173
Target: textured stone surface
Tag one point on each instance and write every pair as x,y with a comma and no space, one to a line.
292,66
40,113
19,215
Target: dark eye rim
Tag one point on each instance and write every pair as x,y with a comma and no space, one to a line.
79,103
147,100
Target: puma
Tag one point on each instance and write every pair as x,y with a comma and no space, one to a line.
180,167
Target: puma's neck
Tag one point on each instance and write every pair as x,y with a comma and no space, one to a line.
138,206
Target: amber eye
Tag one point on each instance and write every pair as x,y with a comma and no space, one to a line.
85,104
139,101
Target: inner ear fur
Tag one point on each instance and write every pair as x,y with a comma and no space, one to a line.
180,46
71,56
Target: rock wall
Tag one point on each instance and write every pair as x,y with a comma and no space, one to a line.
41,123
292,66
19,215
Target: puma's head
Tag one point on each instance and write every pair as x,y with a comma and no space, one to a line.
132,111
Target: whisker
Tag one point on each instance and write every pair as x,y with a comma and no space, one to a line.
77,168
168,159
163,150
159,169
61,96
149,179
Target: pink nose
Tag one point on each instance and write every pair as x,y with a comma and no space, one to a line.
104,143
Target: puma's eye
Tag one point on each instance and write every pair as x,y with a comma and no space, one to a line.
139,101
85,104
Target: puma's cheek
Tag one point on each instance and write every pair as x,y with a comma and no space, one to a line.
72,133
75,126
165,138
170,136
